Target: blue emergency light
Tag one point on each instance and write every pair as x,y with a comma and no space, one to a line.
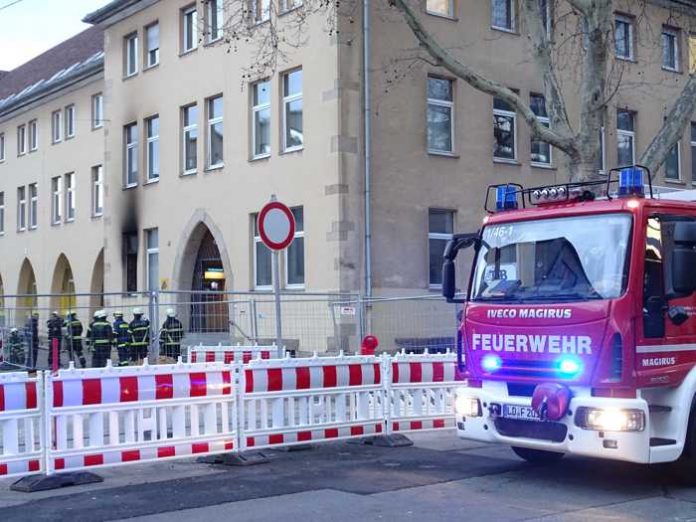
505,197
631,182
569,366
491,363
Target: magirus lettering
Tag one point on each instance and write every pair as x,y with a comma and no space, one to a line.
529,313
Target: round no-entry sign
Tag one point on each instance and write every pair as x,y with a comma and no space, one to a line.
276,225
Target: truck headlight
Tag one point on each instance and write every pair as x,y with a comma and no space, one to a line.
610,419
467,406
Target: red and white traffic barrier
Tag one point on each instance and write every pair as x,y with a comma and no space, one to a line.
231,354
111,416
421,392
21,427
295,401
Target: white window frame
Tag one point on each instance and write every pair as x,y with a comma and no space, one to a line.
438,236
674,33
70,121
149,252
70,202
544,120
298,234
260,11
513,17
255,110
631,35
549,19
257,241
679,169
2,147
148,156
33,214
22,208
216,7
448,14
131,65
447,104
149,63
56,126
56,200
287,100
33,135
21,140
131,148
628,134
97,191
603,149
513,115
209,134
2,213
97,111
186,12
185,129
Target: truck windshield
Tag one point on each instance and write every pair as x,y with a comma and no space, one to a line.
564,259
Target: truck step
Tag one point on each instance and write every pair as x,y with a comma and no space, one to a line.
658,441
657,408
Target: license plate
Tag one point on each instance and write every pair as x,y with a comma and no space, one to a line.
512,411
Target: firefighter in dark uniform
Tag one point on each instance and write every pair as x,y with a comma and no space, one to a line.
172,333
55,331
31,333
140,335
15,345
100,335
122,337
73,329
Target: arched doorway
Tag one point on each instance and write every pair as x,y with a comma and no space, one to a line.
96,287
27,300
209,307
63,287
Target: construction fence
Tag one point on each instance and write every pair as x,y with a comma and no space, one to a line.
311,322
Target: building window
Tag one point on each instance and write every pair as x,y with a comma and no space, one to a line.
625,137
189,29
97,111
131,154
260,10
670,49
215,17
692,54
97,191
541,151
504,130
215,135
21,140
130,261
546,15
440,7
33,206
295,254
56,200
152,248
440,115
673,163
261,116
190,138
70,197
33,135
70,121
153,148
2,213
293,137
263,265
21,209
623,37
602,160
56,126
2,146
503,15
440,230
131,52
153,45
288,5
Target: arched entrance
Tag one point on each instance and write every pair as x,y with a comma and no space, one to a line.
96,287
63,287
26,289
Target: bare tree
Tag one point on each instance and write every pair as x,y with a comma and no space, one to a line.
589,46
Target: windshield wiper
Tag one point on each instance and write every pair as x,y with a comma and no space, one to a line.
570,296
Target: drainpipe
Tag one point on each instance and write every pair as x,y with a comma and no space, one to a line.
367,146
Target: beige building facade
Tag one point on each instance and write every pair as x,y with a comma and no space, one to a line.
188,145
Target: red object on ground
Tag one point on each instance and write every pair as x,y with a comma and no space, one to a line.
369,345
54,355
551,401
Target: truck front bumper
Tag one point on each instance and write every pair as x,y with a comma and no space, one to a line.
486,423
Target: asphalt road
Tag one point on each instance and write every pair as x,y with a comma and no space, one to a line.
439,478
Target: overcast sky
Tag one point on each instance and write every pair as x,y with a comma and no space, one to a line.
30,27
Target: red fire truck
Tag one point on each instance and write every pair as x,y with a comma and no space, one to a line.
579,328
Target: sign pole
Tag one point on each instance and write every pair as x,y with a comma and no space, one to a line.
276,292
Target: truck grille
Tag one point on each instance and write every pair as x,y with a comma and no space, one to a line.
543,369
550,431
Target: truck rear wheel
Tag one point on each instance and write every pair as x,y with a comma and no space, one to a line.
537,456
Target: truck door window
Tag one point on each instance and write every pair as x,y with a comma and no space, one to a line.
653,281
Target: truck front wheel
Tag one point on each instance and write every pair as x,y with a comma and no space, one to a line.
537,456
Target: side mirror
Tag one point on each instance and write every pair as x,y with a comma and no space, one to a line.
454,245
684,271
449,285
